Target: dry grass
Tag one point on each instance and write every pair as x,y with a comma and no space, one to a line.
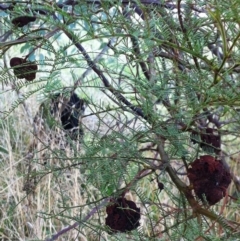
40,192
32,193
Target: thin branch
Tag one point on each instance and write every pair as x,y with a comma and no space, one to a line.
89,215
20,41
5,36
105,81
137,51
99,56
184,30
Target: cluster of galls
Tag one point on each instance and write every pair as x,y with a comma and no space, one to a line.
23,68
123,215
210,179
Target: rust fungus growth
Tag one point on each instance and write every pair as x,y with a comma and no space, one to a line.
208,138
210,179
23,69
23,20
123,216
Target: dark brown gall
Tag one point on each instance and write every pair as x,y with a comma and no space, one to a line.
210,178
23,20
23,69
123,216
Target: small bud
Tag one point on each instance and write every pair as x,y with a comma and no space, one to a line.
160,186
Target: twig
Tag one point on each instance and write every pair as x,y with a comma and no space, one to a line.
89,69
105,81
136,50
89,215
184,31
5,36
47,36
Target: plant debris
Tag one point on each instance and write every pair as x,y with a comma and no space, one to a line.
210,178
123,216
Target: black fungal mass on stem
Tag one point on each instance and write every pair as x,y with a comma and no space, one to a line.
123,216
71,112
23,20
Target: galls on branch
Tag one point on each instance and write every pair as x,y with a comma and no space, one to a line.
23,68
23,20
210,179
123,215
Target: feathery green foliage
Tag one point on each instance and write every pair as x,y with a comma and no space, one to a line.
127,95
